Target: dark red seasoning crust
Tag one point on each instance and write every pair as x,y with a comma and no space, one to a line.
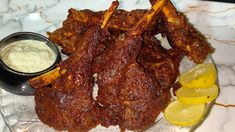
78,22
67,103
135,73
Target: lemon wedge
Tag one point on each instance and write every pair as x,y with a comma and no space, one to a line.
201,76
197,95
181,114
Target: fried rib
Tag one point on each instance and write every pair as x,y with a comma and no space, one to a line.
183,36
49,77
126,93
109,13
66,102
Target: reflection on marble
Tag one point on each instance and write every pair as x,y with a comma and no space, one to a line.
215,20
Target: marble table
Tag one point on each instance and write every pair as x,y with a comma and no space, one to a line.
215,20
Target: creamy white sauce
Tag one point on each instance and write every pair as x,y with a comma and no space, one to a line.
27,56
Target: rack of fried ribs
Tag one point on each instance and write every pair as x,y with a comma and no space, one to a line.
173,24
134,72
78,22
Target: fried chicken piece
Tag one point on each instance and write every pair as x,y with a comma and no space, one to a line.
67,103
182,35
127,95
78,22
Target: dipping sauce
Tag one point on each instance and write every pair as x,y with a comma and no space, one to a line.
27,56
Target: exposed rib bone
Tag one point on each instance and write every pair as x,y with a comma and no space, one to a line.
144,22
109,13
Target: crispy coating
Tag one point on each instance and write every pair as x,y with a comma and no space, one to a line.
126,93
64,111
109,78
162,64
182,34
134,72
141,97
67,103
71,32
78,22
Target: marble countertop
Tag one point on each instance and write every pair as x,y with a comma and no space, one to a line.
215,20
